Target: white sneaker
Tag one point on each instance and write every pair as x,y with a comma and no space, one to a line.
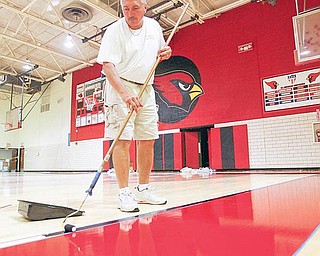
127,203
126,225
148,196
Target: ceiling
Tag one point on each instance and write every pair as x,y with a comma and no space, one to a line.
35,32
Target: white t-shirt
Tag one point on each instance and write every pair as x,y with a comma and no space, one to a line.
133,52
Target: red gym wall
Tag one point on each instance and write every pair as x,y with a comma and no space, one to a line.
90,131
229,147
231,81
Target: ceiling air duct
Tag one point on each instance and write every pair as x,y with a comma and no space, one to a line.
76,12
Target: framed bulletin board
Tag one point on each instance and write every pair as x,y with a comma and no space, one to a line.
316,131
89,102
292,90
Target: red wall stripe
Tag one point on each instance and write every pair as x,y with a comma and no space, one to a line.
178,151
215,158
241,147
192,154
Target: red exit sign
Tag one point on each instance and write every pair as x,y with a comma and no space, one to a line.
245,47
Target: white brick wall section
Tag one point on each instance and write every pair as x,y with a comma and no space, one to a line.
282,142
85,156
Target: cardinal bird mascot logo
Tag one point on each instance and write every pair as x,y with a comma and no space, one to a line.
313,76
177,85
272,84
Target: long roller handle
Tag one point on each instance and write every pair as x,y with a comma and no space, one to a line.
122,127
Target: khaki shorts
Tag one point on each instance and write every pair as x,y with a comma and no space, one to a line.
142,125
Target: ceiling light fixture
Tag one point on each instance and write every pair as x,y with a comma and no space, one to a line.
26,67
69,43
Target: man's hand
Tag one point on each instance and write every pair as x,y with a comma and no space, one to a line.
132,102
165,53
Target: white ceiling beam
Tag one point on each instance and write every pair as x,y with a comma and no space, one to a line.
56,13
20,25
8,47
2,71
15,74
78,48
39,75
193,12
28,6
27,29
193,8
45,22
8,23
46,50
69,71
225,8
21,61
207,5
54,59
101,8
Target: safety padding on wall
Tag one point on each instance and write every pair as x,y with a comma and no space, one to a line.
191,142
109,164
168,153
228,147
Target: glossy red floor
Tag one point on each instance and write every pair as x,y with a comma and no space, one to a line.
275,220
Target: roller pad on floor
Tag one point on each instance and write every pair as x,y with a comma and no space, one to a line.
39,211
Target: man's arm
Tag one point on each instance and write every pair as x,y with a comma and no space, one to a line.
132,101
165,53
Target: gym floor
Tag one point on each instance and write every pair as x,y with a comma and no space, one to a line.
207,214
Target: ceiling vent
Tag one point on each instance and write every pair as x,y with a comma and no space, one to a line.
76,12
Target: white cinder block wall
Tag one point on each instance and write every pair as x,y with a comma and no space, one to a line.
45,135
282,142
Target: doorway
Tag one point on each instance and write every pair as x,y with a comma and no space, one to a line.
12,159
196,149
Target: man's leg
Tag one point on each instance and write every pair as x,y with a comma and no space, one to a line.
145,160
121,162
144,192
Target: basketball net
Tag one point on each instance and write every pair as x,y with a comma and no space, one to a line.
7,126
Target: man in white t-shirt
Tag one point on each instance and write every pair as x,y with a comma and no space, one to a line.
128,51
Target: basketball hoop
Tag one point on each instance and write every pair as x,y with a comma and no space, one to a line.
7,126
89,103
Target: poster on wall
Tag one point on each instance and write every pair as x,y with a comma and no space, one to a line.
316,131
89,102
292,90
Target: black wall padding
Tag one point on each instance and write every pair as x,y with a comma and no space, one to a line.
158,161
168,152
227,148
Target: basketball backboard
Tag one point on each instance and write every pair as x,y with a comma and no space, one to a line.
307,35
12,120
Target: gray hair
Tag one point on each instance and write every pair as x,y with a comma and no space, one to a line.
142,1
